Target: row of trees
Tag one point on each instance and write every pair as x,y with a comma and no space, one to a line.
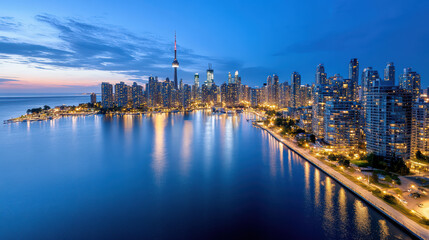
395,165
38,110
341,159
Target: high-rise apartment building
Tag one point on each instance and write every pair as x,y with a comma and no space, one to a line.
93,98
321,77
388,121
137,95
341,124
420,132
389,74
121,94
411,80
275,90
106,95
296,84
353,84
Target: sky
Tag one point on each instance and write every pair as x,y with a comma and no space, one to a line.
71,47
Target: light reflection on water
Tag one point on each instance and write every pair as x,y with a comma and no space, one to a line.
159,151
215,176
186,146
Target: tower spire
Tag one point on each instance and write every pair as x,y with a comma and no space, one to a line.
175,48
175,62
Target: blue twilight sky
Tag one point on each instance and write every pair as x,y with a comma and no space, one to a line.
58,46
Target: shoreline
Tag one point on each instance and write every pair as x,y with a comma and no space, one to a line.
84,114
409,225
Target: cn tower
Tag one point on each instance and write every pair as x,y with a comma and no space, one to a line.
175,63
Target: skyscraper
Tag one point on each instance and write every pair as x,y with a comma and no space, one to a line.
341,124
321,75
275,89
152,91
388,121
166,91
186,99
320,95
175,63
197,80
254,97
229,78
210,77
269,95
411,81
93,98
368,77
106,95
296,84
389,74
354,79
420,133
121,94
137,95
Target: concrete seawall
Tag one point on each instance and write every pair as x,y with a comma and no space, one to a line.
409,225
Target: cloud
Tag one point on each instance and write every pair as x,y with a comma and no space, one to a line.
7,80
9,24
83,45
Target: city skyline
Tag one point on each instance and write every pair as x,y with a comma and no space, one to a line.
69,52
214,119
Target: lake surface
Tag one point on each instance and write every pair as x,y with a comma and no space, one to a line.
166,176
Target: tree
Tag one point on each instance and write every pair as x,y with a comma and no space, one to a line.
312,138
344,162
397,165
376,161
34,110
336,157
374,177
298,131
420,156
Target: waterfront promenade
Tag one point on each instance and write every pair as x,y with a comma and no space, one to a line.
418,230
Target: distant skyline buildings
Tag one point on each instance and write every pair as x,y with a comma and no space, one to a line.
385,118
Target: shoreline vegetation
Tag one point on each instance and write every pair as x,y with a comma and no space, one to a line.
87,109
384,197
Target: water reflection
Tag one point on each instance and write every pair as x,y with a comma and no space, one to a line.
362,220
281,159
229,174
186,146
328,216
384,229
128,122
316,187
307,181
159,151
342,200
272,143
289,162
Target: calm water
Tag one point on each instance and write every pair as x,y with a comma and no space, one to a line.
173,176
